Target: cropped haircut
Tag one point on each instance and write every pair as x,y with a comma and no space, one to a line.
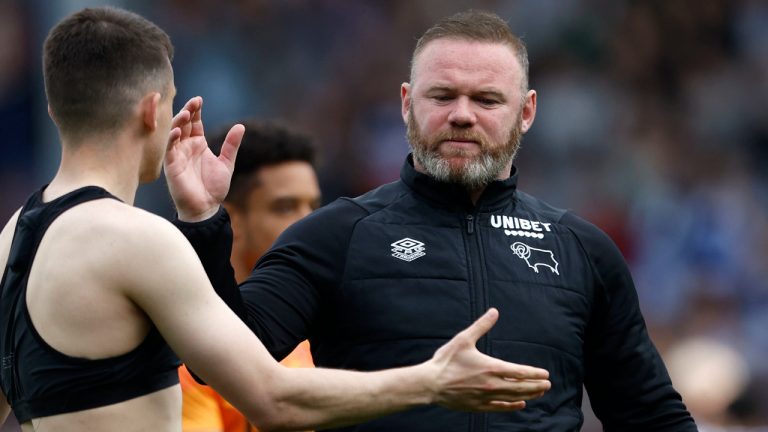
477,26
265,143
97,63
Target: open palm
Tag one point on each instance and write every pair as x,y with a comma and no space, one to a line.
197,179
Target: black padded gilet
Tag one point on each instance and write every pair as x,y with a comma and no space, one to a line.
37,379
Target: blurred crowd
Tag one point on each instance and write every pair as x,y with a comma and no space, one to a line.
652,123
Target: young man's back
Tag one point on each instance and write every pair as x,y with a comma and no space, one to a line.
95,343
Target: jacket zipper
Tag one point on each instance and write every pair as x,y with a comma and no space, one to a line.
477,293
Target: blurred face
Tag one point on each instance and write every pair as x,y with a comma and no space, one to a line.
466,111
284,193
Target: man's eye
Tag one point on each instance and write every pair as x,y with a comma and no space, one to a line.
442,98
487,101
286,208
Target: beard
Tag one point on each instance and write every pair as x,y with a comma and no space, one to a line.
475,173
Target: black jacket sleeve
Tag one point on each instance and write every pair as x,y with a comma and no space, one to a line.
212,241
281,300
625,377
286,293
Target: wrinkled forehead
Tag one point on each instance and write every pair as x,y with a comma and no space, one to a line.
451,59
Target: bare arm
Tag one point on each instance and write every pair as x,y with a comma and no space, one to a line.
216,344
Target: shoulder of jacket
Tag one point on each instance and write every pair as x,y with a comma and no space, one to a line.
379,198
541,208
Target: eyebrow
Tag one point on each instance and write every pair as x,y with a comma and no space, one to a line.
440,89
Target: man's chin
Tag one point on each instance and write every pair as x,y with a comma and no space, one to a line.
457,165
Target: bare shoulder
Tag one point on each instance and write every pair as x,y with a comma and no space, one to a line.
116,224
111,240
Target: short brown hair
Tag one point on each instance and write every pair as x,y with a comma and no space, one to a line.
474,25
97,63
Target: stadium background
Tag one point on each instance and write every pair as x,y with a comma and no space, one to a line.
652,123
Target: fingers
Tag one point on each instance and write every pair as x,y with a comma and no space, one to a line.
503,406
516,371
184,118
496,394
481,326
173,137
197,118
511,396
520,389
180,118
231,144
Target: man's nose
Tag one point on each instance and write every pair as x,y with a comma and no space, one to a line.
462,114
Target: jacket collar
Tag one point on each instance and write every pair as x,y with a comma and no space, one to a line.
496,195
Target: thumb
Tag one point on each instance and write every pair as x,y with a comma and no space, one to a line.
231,145
482,325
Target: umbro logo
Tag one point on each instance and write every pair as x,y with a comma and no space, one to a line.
408,249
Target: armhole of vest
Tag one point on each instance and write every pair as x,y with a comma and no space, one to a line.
10,251
101,194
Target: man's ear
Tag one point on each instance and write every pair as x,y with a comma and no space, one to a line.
149,107
528,113
405,99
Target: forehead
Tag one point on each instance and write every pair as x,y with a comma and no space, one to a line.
287,178
451,61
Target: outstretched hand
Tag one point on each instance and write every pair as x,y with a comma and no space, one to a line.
197,179
472,381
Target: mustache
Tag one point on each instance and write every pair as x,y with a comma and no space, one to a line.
460,135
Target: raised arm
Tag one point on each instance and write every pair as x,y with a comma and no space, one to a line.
197,179
208,336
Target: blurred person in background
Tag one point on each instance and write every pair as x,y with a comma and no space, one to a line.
380,280
273,185
99,297
711,376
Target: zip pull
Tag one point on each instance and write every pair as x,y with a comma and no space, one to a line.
470,224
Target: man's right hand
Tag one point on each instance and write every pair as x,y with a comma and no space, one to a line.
197,179
472,381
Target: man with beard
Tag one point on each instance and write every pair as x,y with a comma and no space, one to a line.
381,280
98,297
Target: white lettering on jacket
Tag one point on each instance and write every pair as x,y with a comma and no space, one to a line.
515,226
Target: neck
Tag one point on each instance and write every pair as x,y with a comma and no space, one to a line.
241,270
242,259
475,194
109,162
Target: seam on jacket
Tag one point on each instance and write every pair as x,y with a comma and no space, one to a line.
537,344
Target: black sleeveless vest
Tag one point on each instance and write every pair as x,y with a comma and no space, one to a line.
38,380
